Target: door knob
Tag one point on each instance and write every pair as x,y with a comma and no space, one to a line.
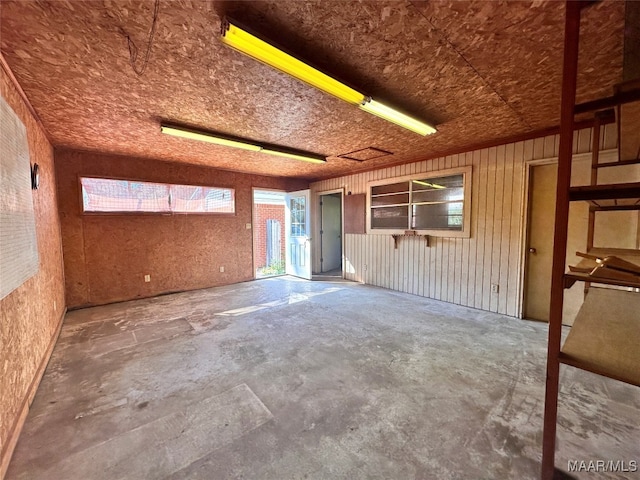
532,250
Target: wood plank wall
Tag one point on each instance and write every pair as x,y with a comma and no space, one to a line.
458,270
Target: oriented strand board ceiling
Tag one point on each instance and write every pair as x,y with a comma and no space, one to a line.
480,71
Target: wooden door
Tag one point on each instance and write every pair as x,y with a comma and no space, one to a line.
542,205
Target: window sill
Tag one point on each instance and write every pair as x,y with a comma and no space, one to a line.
430,233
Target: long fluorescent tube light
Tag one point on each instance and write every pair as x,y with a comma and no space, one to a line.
239,143
250,45
206,137
296,156
247,43
383,111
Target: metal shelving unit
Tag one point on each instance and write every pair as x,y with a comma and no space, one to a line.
606,331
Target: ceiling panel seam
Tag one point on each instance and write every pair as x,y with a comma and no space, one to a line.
486,82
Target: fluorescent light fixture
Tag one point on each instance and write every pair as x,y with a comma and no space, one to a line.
239,143
427,184
208,137
250,45
296,156
247,43
399,118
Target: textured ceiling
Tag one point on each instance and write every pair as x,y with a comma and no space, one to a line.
480,71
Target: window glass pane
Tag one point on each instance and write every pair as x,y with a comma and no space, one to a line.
431,203
437,203
439,183
391,188
455,214
187,198
390,199
219,200
443,195
126,196
297,210
437,216
105,195
190,198
390,217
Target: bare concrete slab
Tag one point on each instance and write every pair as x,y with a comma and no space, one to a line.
286,379
181,437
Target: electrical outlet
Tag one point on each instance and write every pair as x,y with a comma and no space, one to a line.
147,278
247,226
495,288
221,269
365,268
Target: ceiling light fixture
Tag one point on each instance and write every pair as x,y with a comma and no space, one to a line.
391,115
240,143
208,137
295,156
247,43
250,45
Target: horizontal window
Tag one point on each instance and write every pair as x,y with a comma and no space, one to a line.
102,195
390,217
436,203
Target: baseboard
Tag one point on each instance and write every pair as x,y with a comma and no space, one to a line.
14,434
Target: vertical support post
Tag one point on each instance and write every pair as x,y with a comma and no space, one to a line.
569,79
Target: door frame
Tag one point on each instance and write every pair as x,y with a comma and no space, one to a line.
317,225
253,220
604,156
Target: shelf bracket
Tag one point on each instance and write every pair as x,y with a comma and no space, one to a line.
569,282
410,233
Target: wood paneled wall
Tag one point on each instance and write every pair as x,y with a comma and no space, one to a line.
31,315
458,270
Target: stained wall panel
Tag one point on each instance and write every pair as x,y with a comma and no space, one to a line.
460,271
355,213
31,314
107,256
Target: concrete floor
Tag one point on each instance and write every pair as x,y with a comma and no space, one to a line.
288,379
331,275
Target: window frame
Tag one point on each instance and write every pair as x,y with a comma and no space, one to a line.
466,203
146,213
